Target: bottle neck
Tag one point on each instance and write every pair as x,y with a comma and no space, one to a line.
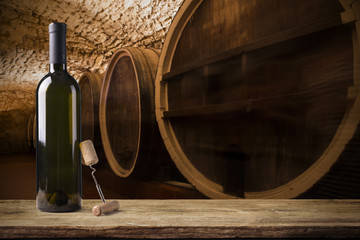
53,67
57,45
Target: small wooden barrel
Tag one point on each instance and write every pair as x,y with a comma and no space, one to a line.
13,129
31,128
129,131
90,85
261,99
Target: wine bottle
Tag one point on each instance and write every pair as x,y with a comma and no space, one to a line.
58,160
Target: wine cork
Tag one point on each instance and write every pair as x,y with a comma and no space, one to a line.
105,208
89,153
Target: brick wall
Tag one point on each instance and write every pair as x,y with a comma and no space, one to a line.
96,29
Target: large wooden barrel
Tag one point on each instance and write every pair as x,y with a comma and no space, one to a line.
129,131
90,85
261,99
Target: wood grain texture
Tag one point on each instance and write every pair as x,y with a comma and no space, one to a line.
90,85
129,131
276,80
218,26
188,219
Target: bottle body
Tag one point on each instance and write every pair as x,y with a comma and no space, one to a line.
58,157
58,161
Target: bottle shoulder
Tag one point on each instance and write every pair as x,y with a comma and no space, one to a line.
61,79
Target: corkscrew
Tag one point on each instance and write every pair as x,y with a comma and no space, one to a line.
96,184
90,159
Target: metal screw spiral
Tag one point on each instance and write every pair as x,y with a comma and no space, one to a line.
97,185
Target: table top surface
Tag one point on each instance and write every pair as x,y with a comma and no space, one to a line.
239,218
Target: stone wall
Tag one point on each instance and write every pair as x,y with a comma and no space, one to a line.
96,29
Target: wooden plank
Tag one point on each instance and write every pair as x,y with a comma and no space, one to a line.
210,109
187,219
299,31
245,105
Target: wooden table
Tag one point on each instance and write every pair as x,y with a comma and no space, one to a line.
187,219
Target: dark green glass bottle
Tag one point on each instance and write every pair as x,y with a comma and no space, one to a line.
58,160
